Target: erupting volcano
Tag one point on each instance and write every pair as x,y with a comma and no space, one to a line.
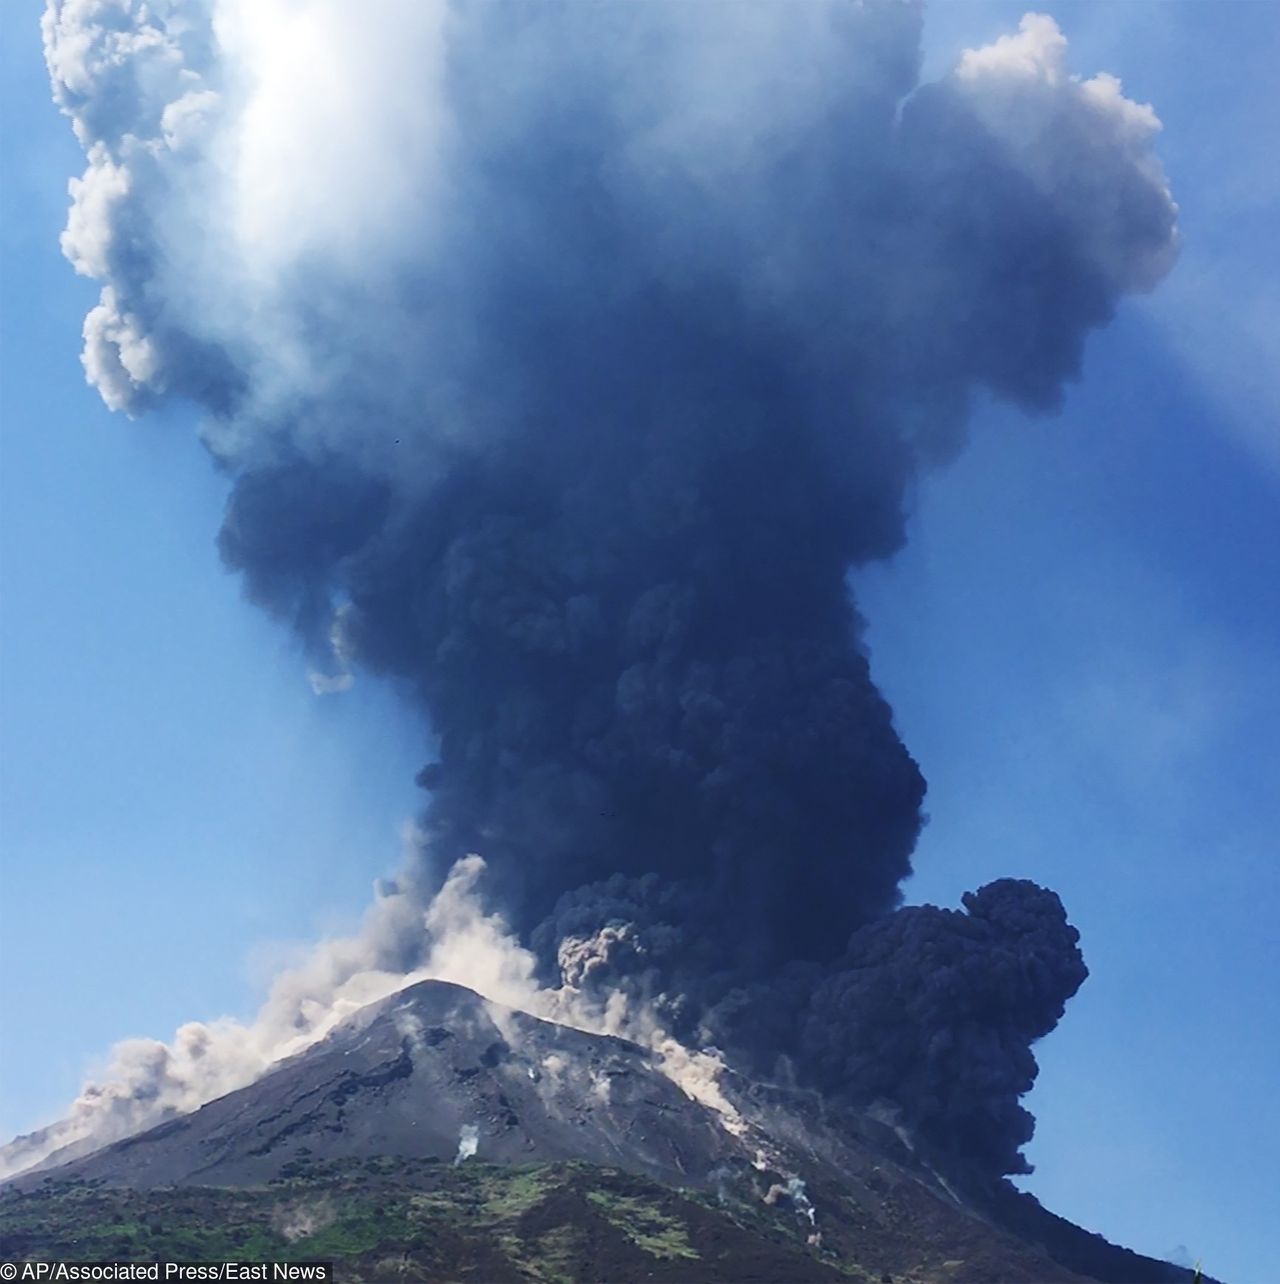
563,360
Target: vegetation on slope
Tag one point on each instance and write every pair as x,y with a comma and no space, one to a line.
388,1219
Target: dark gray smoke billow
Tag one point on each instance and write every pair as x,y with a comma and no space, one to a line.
564,358
911,1019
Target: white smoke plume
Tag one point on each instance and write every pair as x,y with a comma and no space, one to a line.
299,1221
147,1081
793,1190
468,1144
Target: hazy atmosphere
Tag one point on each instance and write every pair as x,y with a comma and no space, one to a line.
749,526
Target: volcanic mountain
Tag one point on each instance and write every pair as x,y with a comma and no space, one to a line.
436,1077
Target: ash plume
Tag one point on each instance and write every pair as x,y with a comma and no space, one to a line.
564,359
909,1022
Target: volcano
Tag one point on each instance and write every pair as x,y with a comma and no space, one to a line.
434,1082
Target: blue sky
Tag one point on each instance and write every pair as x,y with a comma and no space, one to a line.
1080,642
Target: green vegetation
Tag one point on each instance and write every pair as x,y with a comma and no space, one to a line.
660,1235
424,1220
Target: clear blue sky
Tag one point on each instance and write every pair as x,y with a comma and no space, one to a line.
1081,642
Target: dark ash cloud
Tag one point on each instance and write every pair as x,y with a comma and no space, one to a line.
564,358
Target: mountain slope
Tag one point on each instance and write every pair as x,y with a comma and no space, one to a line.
435,1075
425,1220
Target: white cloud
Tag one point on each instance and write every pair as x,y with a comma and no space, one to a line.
1082,142
119,358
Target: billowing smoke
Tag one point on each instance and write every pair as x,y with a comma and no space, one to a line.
911,1020
468,1143
563,359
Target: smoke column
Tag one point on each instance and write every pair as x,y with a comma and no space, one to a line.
563,359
